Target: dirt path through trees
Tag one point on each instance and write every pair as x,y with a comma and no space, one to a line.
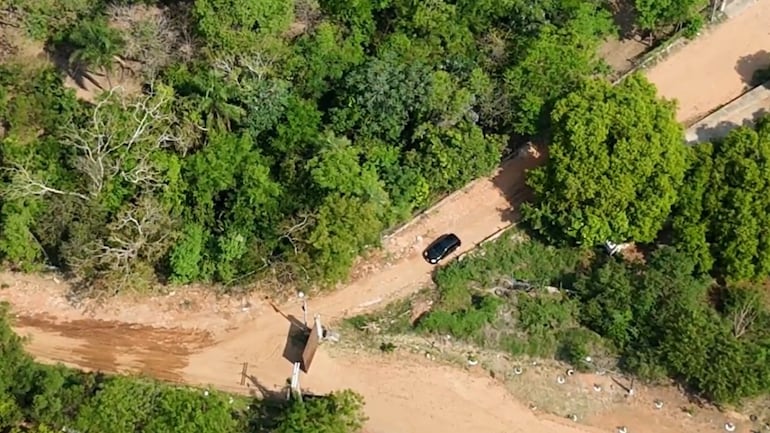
401,398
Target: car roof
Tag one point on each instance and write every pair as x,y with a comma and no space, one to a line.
445,239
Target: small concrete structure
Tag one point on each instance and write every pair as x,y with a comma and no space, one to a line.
742,111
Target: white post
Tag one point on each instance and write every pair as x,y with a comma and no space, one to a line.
294,387
723,6
304,307
318,327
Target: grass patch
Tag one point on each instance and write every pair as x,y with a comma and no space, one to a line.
540,323
393,319
476,304
515,256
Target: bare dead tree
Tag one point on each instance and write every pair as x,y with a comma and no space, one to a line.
138,235
308,12
296,227
141,230
104,149
118,12
236,67
743,317
25,184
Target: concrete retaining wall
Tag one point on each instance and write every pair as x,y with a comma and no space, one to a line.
742,111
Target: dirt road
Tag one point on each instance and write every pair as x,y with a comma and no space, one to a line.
718,66
208,340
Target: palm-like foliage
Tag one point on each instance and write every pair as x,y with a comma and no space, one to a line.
216,99
95,45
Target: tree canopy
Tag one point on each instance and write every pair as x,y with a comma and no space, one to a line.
723,216
267,141
655,14
615,166
657,319
661,319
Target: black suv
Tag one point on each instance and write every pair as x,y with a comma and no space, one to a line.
441,247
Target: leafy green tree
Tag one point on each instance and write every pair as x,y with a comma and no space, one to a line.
337,167
10,413
13,355
324,57
210,99
609,303
343,227
404,183
723,215
543,314
43,19
339,412
17,241
35,107
660,318
448,101
58,394
652,15
690,229
379,98
234,26
95,45
453,156
187,254
439,26
616,163
233,201
35,104
185,411
120,406
357,15
553,63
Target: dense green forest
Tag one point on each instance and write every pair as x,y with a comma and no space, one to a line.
37,398
272,138
692,305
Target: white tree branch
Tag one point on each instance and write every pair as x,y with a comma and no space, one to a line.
24,184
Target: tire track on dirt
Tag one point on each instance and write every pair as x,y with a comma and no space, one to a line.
111,345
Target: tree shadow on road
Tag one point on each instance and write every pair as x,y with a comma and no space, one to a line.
511,179
753,68
710,133
259,390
